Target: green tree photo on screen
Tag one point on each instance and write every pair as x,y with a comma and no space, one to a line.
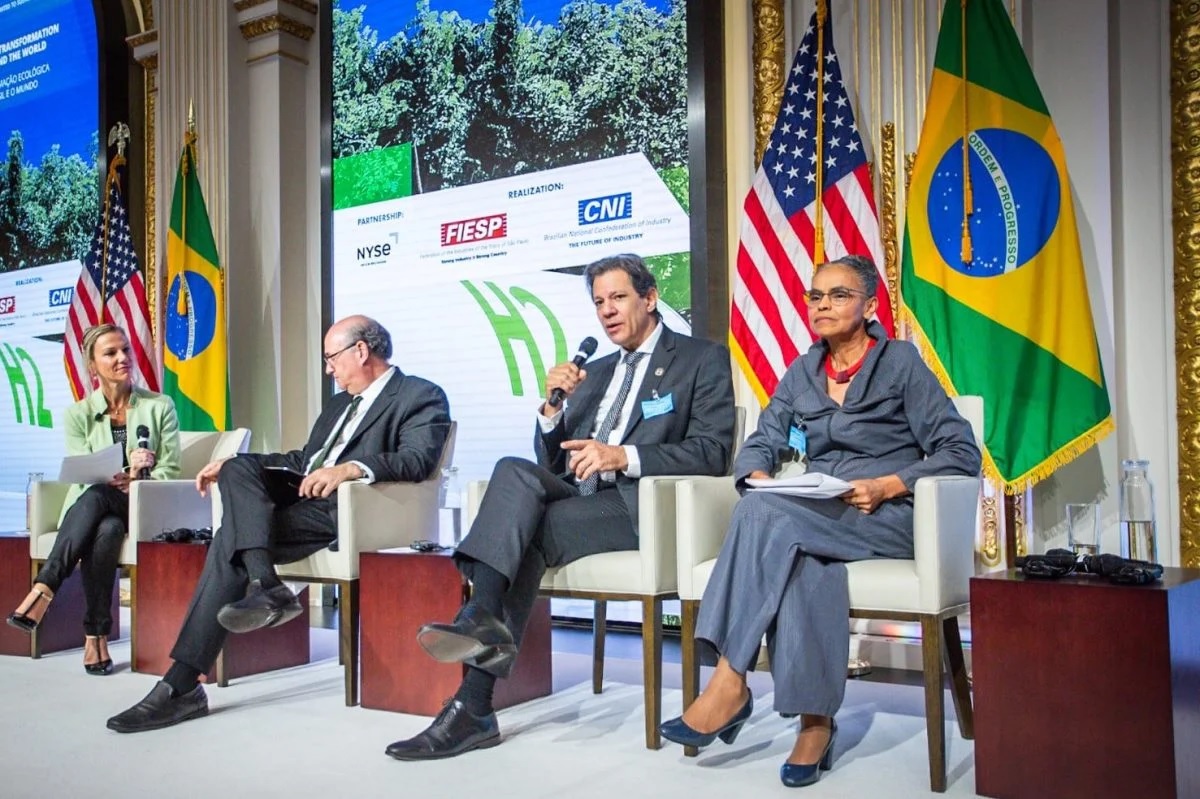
490,90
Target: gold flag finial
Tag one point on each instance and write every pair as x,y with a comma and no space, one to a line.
191,125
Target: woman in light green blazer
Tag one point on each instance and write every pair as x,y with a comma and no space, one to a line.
92,528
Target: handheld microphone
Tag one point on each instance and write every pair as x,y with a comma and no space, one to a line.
143,442
587,348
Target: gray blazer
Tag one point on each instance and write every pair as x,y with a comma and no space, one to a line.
895,419
694,438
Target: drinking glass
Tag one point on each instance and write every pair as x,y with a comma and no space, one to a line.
1083,528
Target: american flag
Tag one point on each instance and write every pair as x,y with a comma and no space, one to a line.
112,265
769,319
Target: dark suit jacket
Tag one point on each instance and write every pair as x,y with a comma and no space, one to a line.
399,440
694,438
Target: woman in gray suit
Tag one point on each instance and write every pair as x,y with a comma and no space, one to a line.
858,407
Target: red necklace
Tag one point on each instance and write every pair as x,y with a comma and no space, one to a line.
845,375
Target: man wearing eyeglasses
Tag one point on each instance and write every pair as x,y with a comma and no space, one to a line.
281,507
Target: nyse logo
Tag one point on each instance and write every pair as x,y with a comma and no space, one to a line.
8,305
373,254
606,209
61,296
466,231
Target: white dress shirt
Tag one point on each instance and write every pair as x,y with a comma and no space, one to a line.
634,469
369,395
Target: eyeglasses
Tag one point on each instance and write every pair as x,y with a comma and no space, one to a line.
329,358
838,296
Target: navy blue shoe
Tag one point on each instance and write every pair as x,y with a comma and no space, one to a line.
797,775
678,731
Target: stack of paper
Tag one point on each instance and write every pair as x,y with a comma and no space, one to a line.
811,484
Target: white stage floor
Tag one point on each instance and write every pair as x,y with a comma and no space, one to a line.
288,733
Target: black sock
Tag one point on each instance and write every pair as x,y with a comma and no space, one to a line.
487,588
259,567
182,678
476,691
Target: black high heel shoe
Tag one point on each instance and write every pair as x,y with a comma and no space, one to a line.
19,618
677,729
101,668
797,775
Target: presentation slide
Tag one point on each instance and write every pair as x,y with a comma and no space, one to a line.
484,152
50,184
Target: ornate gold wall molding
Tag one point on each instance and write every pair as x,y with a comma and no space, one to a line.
769,68
888,212
1185,225
275,23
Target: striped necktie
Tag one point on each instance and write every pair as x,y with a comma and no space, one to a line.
613,416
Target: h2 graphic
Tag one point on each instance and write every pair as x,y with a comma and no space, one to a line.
510,327
34,404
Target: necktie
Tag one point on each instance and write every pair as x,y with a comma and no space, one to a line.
319,461
613,416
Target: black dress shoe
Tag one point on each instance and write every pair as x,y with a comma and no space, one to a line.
269,607
475,636
161,709
454,731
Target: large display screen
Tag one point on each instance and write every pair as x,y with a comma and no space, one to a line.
49,201
483,153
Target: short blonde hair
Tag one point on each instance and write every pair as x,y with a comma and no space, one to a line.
93,334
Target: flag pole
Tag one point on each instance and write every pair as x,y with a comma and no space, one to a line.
188,157
819,222
968,194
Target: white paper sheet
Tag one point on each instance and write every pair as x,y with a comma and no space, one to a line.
94,467
811,484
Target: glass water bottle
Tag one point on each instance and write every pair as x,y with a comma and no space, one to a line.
34,478
1139,540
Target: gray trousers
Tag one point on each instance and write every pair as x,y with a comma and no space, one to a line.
260,512
781,573
529,519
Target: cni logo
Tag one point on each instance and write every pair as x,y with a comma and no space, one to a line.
8,305
61,296
606,209
466,231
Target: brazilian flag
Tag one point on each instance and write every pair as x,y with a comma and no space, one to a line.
195,344
992,278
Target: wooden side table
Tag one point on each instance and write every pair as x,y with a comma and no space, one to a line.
1084,688
62,627
167,574
401,590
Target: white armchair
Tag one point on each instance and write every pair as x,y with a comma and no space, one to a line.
370,518
646,575
154,505
933,588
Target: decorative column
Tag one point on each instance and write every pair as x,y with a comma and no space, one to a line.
275,302
145,51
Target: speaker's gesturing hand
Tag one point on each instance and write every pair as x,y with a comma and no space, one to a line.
589,456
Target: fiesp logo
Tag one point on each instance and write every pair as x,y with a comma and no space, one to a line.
467,231
8,305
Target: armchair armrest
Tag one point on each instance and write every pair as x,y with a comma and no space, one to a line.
704,506
45,505
945,513
475,491
386,515
157,505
